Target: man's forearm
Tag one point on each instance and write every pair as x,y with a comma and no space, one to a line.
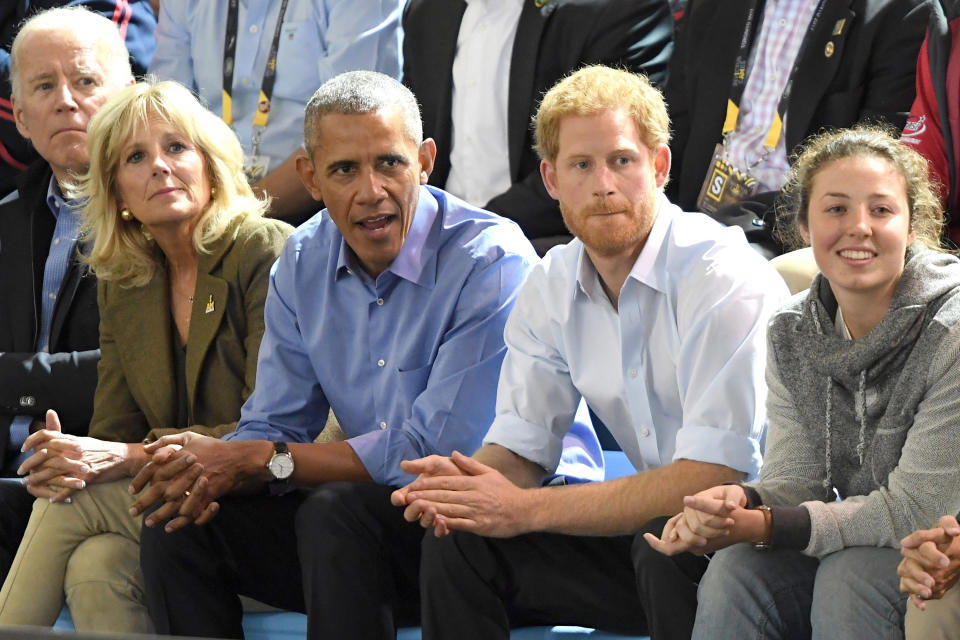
283,185
313,463
621,506
517,469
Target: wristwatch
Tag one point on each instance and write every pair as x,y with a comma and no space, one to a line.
764,544
280,465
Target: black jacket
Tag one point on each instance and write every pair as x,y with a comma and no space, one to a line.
65,378
867,76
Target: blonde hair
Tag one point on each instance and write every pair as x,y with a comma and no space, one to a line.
121,251
94,29
595,89
926,214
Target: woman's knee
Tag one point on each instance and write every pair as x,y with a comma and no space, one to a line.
104,558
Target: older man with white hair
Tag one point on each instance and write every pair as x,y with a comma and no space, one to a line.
65,63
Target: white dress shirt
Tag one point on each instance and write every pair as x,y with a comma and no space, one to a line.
678,372
479,156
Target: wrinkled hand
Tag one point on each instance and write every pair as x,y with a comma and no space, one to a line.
931,561
185,475
470,497
63,463
708,522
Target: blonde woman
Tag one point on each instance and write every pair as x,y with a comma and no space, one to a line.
182,253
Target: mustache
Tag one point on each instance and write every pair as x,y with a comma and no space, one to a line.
607,205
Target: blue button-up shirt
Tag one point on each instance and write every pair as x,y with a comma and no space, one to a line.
62,246
319,39
408,361
676,371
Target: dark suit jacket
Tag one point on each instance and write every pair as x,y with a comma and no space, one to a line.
135,397
551,41
64,379
868,77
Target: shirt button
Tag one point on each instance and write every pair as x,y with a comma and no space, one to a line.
782,22
245,81
383,425
253,28
379,302
381,362
56,241
644,432
52,296
632,373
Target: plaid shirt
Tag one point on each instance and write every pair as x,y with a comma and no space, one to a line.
784,25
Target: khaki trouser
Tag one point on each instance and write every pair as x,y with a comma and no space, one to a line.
88,551
940,621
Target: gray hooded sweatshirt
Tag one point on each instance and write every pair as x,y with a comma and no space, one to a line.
874,421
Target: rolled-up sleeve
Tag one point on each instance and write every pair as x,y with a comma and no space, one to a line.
537,400
722,330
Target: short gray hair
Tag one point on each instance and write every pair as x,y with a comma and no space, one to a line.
357,93
98,31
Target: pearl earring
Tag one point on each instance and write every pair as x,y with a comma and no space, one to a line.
125,215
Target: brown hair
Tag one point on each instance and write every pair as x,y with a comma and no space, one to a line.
926,215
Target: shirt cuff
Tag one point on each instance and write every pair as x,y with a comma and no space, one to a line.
528,440
789,528
719,446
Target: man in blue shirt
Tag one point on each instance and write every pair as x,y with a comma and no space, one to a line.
387,307
65,63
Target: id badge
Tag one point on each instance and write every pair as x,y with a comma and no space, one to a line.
255,167
725,184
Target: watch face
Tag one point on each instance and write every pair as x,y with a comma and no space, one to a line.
281,466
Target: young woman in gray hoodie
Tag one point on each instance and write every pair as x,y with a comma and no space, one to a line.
864,394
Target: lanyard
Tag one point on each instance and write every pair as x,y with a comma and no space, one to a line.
739,82
269,74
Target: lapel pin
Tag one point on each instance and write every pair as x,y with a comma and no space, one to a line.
838,27
828,50
209,304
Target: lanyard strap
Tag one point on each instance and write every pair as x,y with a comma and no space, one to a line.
269,74
739,83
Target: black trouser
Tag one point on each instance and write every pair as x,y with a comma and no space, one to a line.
15,507
357,556
475,587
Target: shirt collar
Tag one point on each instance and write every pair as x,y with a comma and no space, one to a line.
644,268
55,199
416,261
588,280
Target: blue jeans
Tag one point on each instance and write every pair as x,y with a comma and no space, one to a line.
853,593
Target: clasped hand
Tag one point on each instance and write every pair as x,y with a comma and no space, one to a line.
931,561
183,476
63,463
709,521
460,493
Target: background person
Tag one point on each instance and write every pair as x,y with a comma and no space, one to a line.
256,65
183,256
862,373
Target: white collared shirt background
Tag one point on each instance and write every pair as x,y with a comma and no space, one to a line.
479,152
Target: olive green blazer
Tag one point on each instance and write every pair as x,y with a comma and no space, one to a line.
135,398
